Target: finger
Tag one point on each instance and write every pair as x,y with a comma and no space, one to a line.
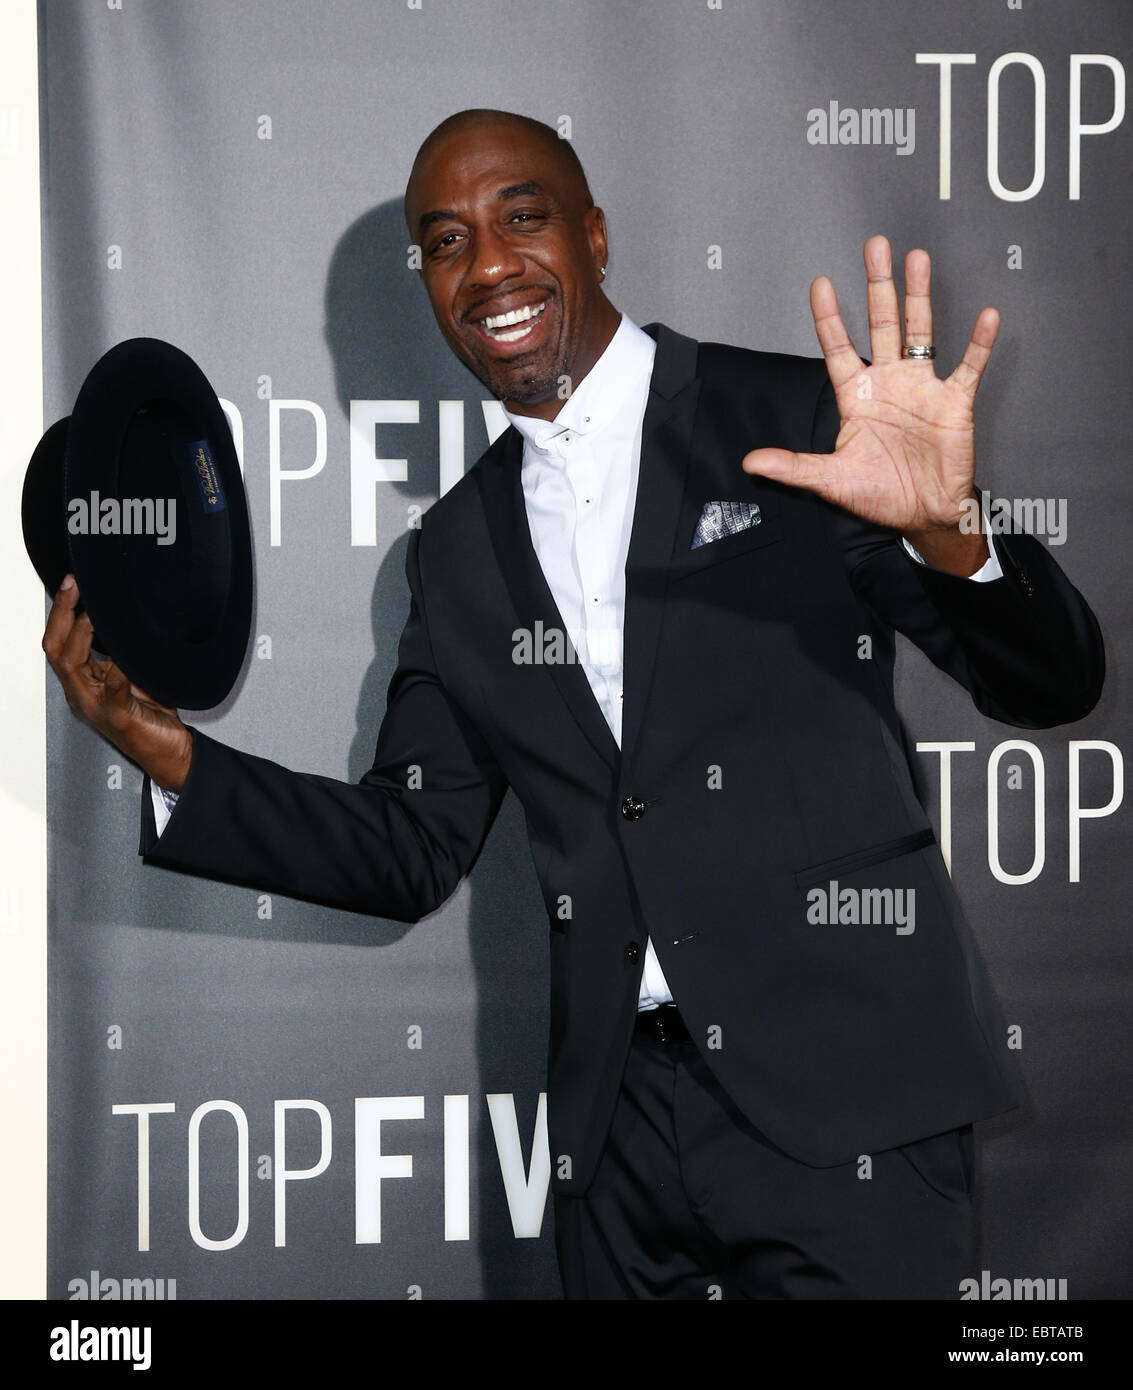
74,664
61,618
884,315
970,369
842,361
811,472
918,301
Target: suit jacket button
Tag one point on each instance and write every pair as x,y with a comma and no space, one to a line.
633,808
632,952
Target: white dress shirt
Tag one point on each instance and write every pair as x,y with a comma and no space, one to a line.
579,479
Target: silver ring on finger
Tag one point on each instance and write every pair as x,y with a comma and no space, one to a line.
920,352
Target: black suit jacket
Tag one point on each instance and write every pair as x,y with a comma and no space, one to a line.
761,756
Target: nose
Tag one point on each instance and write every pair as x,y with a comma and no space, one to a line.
494,260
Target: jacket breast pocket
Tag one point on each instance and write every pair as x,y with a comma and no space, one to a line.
814,874
769,531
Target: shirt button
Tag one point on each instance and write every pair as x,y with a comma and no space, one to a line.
595,598
632,952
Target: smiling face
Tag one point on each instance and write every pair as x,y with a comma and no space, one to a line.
512,250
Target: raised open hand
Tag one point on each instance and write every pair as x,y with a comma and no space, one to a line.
905,453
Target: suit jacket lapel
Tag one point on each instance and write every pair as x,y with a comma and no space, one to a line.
506,514
666,442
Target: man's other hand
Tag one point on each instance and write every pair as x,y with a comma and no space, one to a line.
905,455
150,734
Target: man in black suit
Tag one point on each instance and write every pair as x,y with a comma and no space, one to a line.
770,1032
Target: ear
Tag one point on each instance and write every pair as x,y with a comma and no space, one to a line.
595,222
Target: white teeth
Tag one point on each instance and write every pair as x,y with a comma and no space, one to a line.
494,322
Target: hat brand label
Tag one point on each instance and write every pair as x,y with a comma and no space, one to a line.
208,479
123,516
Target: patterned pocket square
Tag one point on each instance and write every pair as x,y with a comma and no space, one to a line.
720,519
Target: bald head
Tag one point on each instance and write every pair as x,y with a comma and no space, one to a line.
483,120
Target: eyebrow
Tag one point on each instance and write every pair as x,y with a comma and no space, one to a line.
528,189
520,190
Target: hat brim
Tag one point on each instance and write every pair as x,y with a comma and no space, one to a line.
43,511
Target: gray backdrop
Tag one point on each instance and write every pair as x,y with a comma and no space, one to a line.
280,264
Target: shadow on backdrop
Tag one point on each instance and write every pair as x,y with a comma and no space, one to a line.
385,343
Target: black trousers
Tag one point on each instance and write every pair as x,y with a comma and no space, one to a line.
690,1201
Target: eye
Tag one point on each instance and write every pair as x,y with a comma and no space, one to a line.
444,243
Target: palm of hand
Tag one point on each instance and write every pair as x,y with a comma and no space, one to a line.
905,453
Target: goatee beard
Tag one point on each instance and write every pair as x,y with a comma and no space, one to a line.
533,388
525,389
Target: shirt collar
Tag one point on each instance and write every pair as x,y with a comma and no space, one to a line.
596,401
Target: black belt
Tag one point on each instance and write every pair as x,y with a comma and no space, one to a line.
663,1024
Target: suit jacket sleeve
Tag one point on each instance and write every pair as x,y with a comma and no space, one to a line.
385,846
1026,645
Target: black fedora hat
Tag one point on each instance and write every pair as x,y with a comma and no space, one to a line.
43,507
140,487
